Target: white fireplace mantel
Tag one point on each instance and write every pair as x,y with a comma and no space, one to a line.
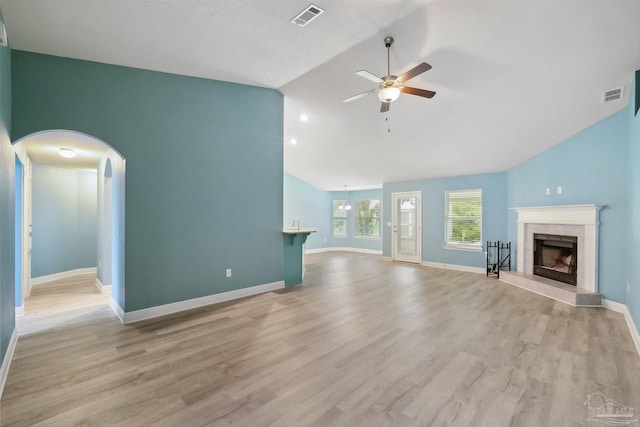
581,221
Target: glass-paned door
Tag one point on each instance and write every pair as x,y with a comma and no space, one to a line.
406,226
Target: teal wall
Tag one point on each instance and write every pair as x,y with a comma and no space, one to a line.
64,218
591,168
204,169
494,214
7,206
373,244
633,234
310,206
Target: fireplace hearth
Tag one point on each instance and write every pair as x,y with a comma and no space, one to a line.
556,257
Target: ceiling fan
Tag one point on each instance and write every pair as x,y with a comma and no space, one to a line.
390,86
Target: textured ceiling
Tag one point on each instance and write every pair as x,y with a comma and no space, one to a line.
513,78
250,42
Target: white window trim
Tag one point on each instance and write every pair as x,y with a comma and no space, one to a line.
461,246
367,237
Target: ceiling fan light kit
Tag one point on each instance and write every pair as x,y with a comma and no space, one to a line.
390,86
389,94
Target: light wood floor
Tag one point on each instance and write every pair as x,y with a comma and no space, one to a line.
363,342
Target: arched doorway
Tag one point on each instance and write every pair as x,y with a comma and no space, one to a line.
63,231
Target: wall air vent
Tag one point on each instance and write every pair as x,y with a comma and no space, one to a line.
3,35
307,15
612,95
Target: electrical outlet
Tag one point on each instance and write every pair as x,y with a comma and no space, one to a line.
547,191
228,272
559,190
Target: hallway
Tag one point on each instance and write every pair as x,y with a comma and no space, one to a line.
62,303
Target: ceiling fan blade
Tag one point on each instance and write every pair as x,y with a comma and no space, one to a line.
358,96
419,92
384,107
418,69
367,75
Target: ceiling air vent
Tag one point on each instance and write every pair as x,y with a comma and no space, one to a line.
307,15
3,34
612,95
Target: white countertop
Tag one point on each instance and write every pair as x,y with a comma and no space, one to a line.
299,230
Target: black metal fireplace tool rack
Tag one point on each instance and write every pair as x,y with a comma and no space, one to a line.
498,257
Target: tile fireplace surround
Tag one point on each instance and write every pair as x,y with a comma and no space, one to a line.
581,221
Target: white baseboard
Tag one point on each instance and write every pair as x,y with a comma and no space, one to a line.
633,330
105,289
19,311
456,267
614,306
624,310
35,281
117,309
163,310
6,362
343,249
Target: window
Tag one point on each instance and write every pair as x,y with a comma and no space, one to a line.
367,221
339,218
463,219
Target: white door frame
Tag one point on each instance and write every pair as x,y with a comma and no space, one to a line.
25,235
395,224
26,228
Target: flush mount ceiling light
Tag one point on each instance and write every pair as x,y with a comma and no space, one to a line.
67,153
304,117
294,141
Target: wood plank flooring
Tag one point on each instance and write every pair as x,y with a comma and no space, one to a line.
363,342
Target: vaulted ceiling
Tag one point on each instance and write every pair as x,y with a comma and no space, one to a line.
513,78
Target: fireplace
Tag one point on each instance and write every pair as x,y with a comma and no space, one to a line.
556,257
561,241
580,221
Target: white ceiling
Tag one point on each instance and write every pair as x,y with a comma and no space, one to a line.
513,78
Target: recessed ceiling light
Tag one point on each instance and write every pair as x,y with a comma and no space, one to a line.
67,153
304,117
294,141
